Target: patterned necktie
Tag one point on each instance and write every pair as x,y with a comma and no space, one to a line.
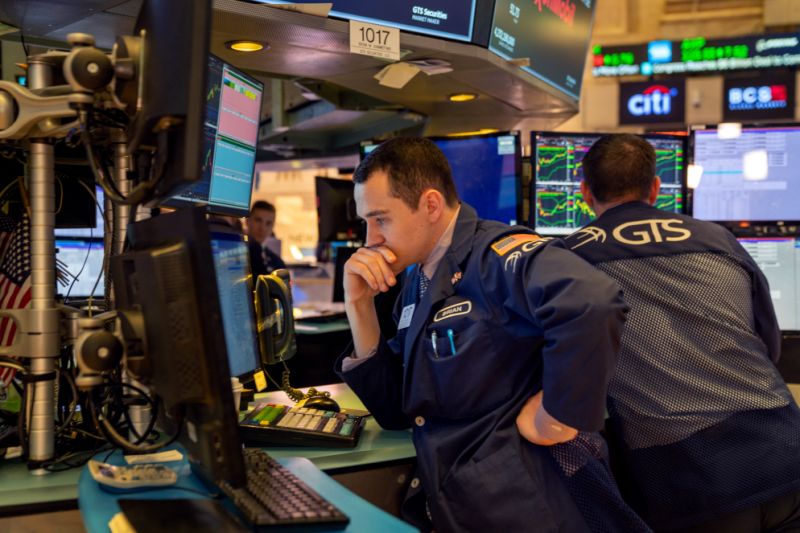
423,284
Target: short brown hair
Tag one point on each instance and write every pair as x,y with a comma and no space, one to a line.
620,165
412,164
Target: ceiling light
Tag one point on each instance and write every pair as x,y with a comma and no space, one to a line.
482,131
243,45
462,97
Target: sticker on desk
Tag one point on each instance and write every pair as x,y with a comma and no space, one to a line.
120,524
405,317
260,380
161,457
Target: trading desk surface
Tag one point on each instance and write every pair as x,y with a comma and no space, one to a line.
21,492
376,446
98,506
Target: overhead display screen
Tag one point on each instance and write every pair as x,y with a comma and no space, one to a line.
452,19
553,34
698,54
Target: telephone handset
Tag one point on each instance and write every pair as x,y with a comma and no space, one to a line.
275,321
274,317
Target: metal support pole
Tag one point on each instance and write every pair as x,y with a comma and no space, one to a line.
45,334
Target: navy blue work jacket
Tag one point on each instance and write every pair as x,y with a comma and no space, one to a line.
507,314
701,421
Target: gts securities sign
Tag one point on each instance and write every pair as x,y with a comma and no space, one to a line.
757,98
652,102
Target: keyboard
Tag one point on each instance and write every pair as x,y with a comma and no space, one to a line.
274,498
270,424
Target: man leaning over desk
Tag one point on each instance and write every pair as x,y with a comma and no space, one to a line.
505,345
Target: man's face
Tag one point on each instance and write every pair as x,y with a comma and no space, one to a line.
392,223
260,224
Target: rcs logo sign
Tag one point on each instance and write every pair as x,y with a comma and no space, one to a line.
639,232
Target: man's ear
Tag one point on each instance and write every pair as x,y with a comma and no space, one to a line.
432,201
654,188
587,194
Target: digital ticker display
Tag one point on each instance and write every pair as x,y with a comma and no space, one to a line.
558,207
444,18
698,54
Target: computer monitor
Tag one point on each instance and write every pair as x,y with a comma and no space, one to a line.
94,230
750,177
557,206
169,302
83,261
486,171
336,211
779,260
230,136
167,56
232,268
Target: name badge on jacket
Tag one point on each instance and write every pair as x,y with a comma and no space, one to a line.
405,316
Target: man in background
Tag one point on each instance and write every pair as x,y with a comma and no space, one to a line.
706,433
260,226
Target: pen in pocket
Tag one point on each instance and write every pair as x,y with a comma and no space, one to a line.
452,342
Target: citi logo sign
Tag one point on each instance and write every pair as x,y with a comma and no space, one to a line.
655,100
764,97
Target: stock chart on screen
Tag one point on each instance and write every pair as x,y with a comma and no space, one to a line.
558,207
230,133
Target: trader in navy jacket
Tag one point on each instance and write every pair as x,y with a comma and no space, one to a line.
708,433
505,345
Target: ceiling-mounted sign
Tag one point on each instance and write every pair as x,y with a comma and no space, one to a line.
374,40
749,52
453,19
652,102
758,98
552,34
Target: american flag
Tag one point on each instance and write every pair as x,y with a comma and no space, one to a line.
15,278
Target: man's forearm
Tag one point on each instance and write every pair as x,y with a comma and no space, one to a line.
364,326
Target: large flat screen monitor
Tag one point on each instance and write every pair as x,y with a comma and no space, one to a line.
554,36
441,18
167,282
558,207
752,177
336,211
97,231
83,261
230,136
486,170
779,260
232,269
